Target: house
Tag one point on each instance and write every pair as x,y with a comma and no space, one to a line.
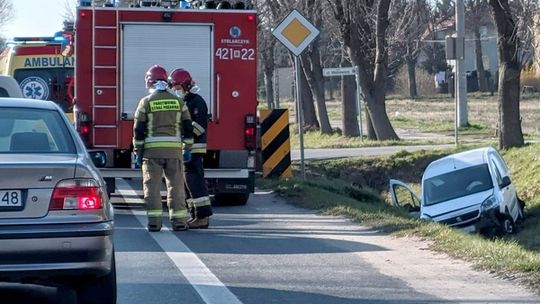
488,34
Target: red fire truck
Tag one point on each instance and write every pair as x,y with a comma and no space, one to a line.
116,43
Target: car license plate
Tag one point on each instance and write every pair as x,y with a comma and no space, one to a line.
10,199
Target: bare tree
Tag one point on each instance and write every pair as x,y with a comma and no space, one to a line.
405,40
363,26
510,133
476,16
6,12
312,65
440,13
266,45
70,9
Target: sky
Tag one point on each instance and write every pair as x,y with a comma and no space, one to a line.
35,18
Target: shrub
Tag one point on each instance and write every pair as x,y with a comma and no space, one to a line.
425,83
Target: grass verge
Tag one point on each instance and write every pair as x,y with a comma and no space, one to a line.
316,140
334,189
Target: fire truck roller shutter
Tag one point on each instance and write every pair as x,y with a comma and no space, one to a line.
170,46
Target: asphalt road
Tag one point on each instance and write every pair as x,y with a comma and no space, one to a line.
264,252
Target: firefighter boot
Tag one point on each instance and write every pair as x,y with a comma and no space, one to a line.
154,225
179,225
199,223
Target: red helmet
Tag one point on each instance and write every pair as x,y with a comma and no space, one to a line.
182,78
154,74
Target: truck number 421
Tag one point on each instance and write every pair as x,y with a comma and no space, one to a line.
232,54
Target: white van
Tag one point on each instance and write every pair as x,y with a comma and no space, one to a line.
471,190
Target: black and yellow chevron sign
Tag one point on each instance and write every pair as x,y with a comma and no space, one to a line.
275,143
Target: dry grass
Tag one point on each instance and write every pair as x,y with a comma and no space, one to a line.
436,114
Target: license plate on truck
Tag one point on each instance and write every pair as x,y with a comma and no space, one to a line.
10,199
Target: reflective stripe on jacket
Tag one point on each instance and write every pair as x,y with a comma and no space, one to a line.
160,125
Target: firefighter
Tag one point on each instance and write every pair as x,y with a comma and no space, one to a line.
199,202
162,125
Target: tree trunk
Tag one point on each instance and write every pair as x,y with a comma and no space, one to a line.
348,107
370,130
510,133
376,98
269,80
480,71
310,118
411,71
332,88
311,64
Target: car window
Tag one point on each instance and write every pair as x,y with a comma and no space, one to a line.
405,198
500,164
34,131
46,84
456,184
498,175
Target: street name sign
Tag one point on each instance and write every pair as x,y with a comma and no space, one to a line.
295,32
344,71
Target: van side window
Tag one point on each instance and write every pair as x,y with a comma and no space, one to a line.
497,172
500,164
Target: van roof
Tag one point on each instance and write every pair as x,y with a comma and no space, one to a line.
457,161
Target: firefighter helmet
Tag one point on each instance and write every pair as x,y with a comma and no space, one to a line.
154,74
181,77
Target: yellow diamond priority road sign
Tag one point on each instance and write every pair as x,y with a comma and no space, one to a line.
295,32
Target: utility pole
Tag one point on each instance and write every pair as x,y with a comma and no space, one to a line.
460,77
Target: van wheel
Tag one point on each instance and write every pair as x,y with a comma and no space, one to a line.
508,226
100,290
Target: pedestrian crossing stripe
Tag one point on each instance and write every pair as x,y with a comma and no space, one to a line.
275,143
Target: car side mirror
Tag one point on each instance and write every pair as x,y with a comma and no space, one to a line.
99,158
505,182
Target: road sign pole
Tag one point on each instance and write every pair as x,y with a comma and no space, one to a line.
296,33
359,101
300,116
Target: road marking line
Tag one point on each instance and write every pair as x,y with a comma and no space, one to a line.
209,287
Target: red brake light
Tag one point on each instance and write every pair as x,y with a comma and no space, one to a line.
250,130
85,129
250,18
73,194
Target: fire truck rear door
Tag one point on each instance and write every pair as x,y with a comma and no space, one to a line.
178,45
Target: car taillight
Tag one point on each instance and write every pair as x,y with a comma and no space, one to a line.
73,194
250,132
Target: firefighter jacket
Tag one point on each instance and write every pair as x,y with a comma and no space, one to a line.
199,115
162,126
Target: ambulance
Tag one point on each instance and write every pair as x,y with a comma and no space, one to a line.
42,67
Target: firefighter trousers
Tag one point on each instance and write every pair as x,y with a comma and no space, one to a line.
198,201
153,170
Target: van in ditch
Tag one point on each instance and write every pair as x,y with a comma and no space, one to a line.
471,190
